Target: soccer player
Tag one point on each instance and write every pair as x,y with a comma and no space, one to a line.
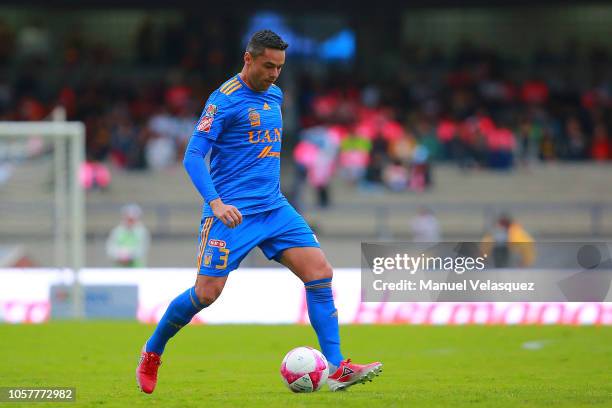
243,208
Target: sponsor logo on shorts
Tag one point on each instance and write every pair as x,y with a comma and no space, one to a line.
216,243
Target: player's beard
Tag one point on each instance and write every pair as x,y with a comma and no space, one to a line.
267,84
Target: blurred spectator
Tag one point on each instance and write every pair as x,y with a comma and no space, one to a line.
420,172
509,244
304,155
95,176
353,159
575,148
160,152
317,154
425,227
373,177
128,243
601,149
529,139
395,176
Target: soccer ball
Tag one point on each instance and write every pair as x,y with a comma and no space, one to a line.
304,369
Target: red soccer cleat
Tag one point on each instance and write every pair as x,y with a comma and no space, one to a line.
146,372
349,374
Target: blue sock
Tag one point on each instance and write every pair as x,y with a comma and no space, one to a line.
180,312
324,318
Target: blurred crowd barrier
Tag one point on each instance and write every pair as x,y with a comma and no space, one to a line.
26,297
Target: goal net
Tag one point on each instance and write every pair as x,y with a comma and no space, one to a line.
42,203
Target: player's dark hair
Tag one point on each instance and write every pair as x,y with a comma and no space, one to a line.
265,39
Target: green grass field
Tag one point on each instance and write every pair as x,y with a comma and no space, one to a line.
237,366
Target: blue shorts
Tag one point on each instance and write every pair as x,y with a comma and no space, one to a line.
221,249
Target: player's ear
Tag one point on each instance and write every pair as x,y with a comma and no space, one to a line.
248,58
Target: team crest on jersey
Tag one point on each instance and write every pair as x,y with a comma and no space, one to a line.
205,124
211,110
217,243
254,117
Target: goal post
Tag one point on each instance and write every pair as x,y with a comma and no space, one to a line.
68,139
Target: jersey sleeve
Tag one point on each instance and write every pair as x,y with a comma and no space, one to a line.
279,93
215,117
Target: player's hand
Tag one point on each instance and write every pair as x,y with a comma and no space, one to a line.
228,214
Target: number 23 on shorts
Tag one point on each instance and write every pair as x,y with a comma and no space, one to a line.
217,256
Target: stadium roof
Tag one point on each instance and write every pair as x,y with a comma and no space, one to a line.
344,6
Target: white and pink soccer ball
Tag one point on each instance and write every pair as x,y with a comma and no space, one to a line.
304,369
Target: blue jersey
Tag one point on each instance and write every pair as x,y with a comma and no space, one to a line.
245,128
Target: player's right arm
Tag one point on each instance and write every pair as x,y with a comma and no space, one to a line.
211,124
